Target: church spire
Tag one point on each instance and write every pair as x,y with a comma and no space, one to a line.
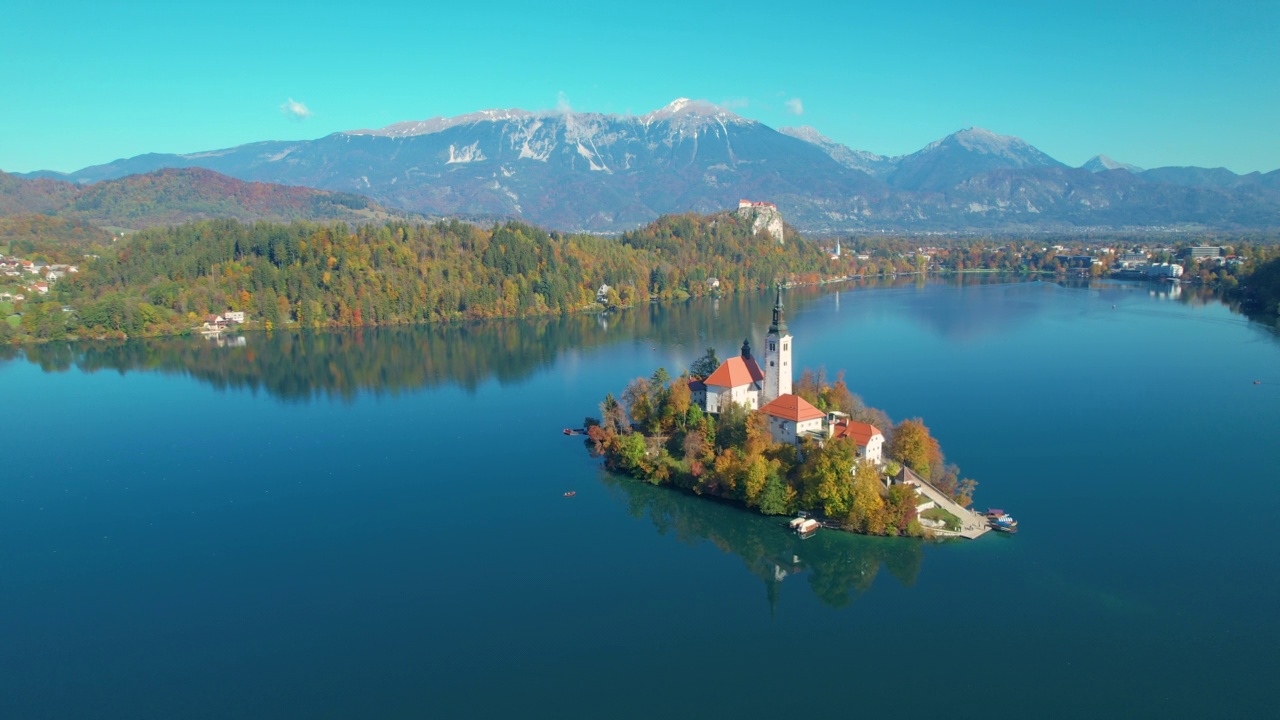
779,325
777,354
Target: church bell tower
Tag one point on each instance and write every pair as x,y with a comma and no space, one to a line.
777,355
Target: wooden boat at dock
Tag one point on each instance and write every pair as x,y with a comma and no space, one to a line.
804,527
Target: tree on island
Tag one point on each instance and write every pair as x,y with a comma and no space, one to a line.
912,444
705,365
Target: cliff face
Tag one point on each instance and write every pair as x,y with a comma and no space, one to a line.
766,219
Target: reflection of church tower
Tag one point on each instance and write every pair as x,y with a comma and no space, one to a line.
777,355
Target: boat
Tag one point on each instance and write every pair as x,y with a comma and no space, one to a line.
807,527
571,493
1004,523
575,431
1001,521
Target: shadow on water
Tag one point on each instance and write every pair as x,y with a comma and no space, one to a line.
839,567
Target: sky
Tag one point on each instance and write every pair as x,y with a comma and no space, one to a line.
1148,83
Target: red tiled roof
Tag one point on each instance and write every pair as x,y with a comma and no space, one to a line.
859,432
793,408
734,372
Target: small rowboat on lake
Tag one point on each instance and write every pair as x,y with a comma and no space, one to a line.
571,493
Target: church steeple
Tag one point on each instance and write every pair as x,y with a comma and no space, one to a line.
777,354
779,325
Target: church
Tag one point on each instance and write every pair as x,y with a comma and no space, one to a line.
767,387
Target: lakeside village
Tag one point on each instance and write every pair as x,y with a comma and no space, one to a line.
735,430
21,278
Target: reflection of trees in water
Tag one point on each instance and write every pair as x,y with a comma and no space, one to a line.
840,566
302,365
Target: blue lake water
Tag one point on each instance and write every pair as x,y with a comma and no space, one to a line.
371,524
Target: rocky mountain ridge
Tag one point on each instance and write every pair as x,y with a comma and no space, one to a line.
607,173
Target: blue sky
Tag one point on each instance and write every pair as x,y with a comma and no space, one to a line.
1151,83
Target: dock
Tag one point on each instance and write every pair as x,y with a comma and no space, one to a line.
972,524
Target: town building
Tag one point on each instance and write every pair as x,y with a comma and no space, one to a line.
1164,270
1200,253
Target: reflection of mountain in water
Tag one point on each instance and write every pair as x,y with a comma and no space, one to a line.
961,307
838,566
303,365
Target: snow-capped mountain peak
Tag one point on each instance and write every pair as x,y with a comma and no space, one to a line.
697,110
437,124
1100,163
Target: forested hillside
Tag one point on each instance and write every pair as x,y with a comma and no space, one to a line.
170,196
164,280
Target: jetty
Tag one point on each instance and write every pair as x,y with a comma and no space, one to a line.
972,524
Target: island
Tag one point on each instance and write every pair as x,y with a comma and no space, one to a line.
743,432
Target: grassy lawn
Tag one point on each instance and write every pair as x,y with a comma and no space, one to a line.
936,513
6,309
13,320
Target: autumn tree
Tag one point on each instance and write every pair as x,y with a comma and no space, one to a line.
826,476
867,509
912,444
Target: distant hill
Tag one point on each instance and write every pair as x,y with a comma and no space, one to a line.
40,195
612,173
171,196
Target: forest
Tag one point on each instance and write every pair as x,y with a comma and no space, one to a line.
166,280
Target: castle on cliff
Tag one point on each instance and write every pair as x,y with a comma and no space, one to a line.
763,216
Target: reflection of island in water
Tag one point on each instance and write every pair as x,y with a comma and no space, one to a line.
838,566
301,366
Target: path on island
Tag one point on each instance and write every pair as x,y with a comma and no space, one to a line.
972,524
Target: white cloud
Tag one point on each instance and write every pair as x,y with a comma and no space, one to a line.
736,103
795,107
295,110
562,104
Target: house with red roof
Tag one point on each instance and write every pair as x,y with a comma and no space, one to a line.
791,417
869,439
737,380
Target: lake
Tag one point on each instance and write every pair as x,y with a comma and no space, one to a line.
372,523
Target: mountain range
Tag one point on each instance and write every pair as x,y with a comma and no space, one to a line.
170,196
608,173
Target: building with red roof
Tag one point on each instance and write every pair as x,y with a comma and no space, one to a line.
738,380
869,439
791,417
